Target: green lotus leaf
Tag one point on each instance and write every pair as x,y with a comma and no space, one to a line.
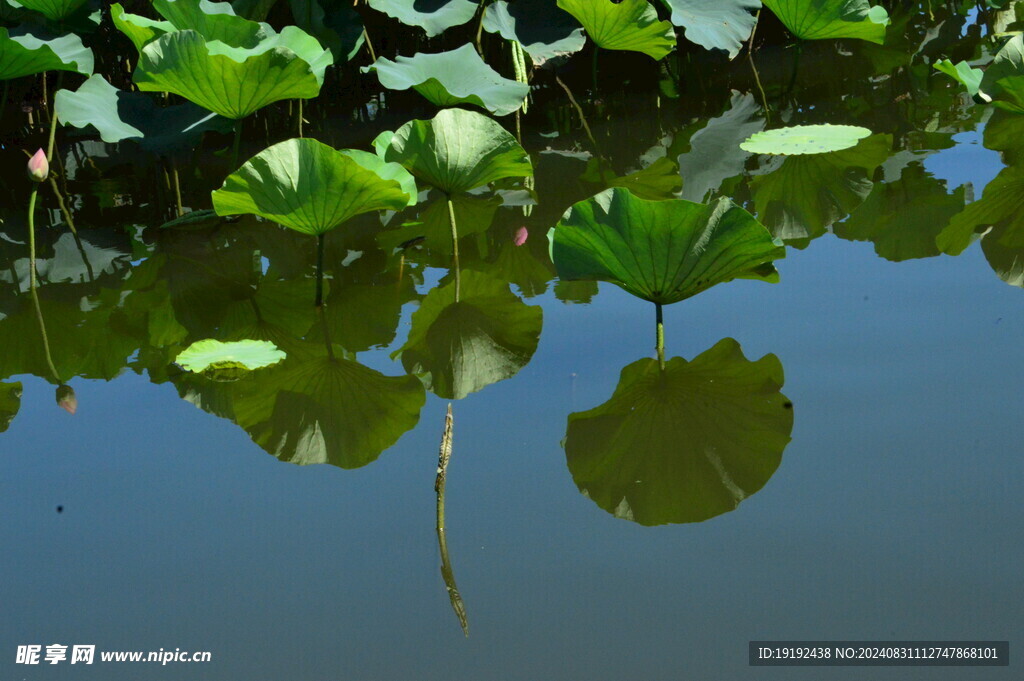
307,186
338,27
24,54
213,21
805,139
998,217
825,19
254,10
233,81
433,16
715,154
682,444
10,403
903,218
458,150
95,104
452,78
473,215
460,346
228,360
54,10
544,31
720,25
1003,82
140,30
661,251
963,73
806,194
631,25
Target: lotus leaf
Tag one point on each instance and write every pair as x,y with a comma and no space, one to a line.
903,218
805,139
963,73
544,31
801,198
337,27
661,251
462,345
684,443
1003,82
457,150
451,78
631,25
54,10
228,360
307,186
233,81
10,403
722,25
824,19
433,16
212,20
24,54
94,103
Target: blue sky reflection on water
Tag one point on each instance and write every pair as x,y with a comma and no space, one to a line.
892,516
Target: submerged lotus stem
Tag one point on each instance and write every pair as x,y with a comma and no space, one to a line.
579,111
455,247
319,270
660,340
237,143
447,572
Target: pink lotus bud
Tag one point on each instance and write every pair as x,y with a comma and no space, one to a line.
521,235
38,166
66,399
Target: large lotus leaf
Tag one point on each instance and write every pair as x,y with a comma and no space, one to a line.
715,154
24,54
307,186
139,29
627,25
805,139
433,16
338,27
212,20
802,197
963,73
999,211
686,443
458,150
94,103
723,24
1004,132
255,10
230,81
314,408
10,403
903,218
659,180
661,251
452,78
461,346
544,31
54,10
1003,81
824,19
386,170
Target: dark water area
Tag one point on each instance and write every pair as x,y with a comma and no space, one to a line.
836,457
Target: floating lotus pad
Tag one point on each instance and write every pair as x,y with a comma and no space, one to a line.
630,25
228,360
24,54
828,19
459,76
805,139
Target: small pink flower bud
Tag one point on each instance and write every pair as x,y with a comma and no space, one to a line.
38,166
521,235
66,399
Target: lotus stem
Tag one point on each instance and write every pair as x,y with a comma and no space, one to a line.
327,334
235,146
757,80
480,29
177,189
300,119
660,340
63,206
455,247
369,45
447,572
579,111
753,31
3,99
32,283
320,270
42,331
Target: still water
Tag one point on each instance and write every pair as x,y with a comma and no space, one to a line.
167,512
